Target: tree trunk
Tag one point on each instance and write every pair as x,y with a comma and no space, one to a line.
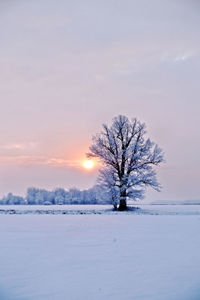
122,203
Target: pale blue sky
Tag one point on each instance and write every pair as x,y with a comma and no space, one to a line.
66,67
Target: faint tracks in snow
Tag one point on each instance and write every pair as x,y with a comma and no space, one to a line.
130,211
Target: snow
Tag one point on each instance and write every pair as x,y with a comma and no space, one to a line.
56,207
100,209
114,257
170,209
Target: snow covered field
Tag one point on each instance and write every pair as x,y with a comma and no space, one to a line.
93,257
100,209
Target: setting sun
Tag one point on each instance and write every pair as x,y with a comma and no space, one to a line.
88,164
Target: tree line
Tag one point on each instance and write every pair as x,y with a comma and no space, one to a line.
59,196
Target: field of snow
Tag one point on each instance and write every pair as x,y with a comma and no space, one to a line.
100,209
112,257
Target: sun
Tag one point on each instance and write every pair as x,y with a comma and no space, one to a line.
88,164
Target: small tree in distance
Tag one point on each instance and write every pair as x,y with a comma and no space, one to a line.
128,159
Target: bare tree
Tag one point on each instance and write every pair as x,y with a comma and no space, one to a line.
128,159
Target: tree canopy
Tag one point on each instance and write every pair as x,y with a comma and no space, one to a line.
128,159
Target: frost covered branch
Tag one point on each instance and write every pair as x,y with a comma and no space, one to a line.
128,159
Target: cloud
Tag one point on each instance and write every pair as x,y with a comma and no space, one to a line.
29,160
176,56
18,146
12,146
182,57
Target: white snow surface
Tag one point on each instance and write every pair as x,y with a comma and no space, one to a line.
114,257
101,209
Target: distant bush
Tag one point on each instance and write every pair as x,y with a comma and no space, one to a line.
59,196
12,199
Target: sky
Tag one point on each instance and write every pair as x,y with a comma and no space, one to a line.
67,67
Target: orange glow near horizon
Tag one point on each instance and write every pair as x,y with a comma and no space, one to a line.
88,164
